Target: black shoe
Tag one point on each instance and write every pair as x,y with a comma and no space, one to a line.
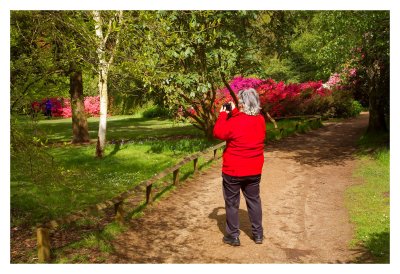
258,239
231,240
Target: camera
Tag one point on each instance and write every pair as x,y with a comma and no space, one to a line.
228,107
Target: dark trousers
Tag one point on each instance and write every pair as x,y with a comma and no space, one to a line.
250,186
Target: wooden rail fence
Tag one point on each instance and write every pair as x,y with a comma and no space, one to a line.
43,230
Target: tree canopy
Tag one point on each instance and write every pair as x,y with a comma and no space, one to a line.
181,58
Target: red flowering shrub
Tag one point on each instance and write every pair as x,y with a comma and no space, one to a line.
279,99
61,107
237,84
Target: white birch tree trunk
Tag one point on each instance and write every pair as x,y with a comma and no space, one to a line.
104,67
101,136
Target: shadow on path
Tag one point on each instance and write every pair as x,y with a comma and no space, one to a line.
220,218
330,145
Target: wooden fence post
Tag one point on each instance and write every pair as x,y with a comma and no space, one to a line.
176,176
148,194
119,212
43,244
195,165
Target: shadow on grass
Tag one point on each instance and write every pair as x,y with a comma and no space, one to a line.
376,250
121,128
379,245
117,147
371,143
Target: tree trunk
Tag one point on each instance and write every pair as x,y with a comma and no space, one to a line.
378,97
104,67
377,117
209,130
101,137
377,121
79,122
209,133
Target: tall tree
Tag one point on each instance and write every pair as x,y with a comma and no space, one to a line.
56,44
73,50
189,55
107,44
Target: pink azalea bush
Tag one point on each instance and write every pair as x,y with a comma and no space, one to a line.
333,81
61,107
280,99
92,105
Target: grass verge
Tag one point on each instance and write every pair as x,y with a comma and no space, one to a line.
290,127
369,202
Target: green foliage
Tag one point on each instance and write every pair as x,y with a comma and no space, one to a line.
45,46
307,45
344,106
337,40
188,55
180,57
332,35
281,70
28,152
156,111
356,108
127,92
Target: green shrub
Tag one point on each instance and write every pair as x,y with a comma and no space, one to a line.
156,111
344,106
356,108
316,105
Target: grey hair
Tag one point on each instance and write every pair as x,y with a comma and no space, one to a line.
250,101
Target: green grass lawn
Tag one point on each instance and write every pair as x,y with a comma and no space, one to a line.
77,179
369,202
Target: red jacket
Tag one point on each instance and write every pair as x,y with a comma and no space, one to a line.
244,135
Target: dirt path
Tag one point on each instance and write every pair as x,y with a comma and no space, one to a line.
304,218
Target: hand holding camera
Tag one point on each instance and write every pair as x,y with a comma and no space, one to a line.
228,107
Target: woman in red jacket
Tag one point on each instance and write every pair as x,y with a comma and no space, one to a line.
243,130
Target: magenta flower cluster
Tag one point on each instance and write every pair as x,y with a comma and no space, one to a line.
278,98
